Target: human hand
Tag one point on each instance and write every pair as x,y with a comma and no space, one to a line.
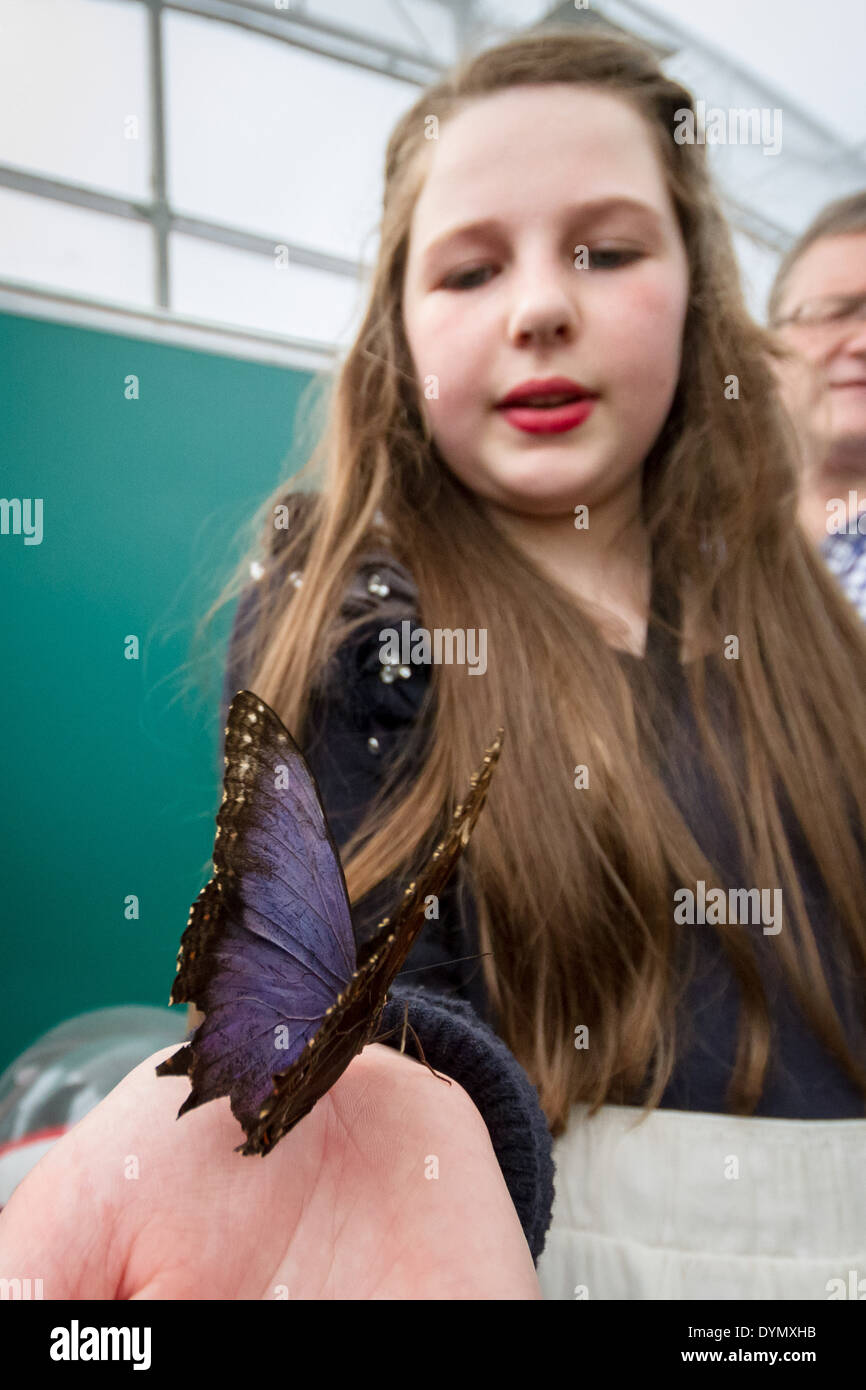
133,1203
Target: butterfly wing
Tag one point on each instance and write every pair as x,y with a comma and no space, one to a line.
269,945
354,1020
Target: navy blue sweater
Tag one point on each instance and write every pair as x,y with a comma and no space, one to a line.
354,727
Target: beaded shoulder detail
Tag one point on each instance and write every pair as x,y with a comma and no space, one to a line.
378,693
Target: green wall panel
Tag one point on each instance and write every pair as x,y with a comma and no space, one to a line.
110,766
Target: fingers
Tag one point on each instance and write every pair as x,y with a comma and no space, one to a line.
53,1230
61,1222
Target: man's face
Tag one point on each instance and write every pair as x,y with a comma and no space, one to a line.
825,387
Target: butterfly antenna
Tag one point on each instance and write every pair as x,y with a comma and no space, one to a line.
437,963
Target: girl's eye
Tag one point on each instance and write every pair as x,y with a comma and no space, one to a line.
607,258
618,256
457,281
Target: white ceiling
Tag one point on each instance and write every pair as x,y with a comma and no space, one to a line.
815,55
279,162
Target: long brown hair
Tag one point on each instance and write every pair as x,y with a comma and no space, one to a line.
574,886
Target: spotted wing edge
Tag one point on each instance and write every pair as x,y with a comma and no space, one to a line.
445,855
278,1114
208,913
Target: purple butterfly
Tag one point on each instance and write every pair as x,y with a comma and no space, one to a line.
269,955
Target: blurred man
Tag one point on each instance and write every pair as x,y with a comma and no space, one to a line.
817,306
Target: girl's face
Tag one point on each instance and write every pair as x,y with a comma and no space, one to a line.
496,293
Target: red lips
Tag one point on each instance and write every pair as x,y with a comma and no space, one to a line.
542,388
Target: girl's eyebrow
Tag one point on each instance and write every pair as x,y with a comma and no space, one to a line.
588,212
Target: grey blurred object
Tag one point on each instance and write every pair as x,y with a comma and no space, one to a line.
69,1070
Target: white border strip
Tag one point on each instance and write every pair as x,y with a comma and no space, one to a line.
32,301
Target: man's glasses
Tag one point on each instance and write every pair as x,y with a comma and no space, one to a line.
828,311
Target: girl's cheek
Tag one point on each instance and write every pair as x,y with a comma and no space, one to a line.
652,304
449,348
644,343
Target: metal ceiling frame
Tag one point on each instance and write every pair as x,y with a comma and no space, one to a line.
296,29
301,30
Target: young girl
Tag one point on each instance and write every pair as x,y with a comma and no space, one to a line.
655,953
542,225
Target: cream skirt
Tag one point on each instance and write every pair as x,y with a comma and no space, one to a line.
692,1205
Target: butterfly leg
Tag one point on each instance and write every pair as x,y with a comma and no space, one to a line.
396,1026
420,1048
406,1024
